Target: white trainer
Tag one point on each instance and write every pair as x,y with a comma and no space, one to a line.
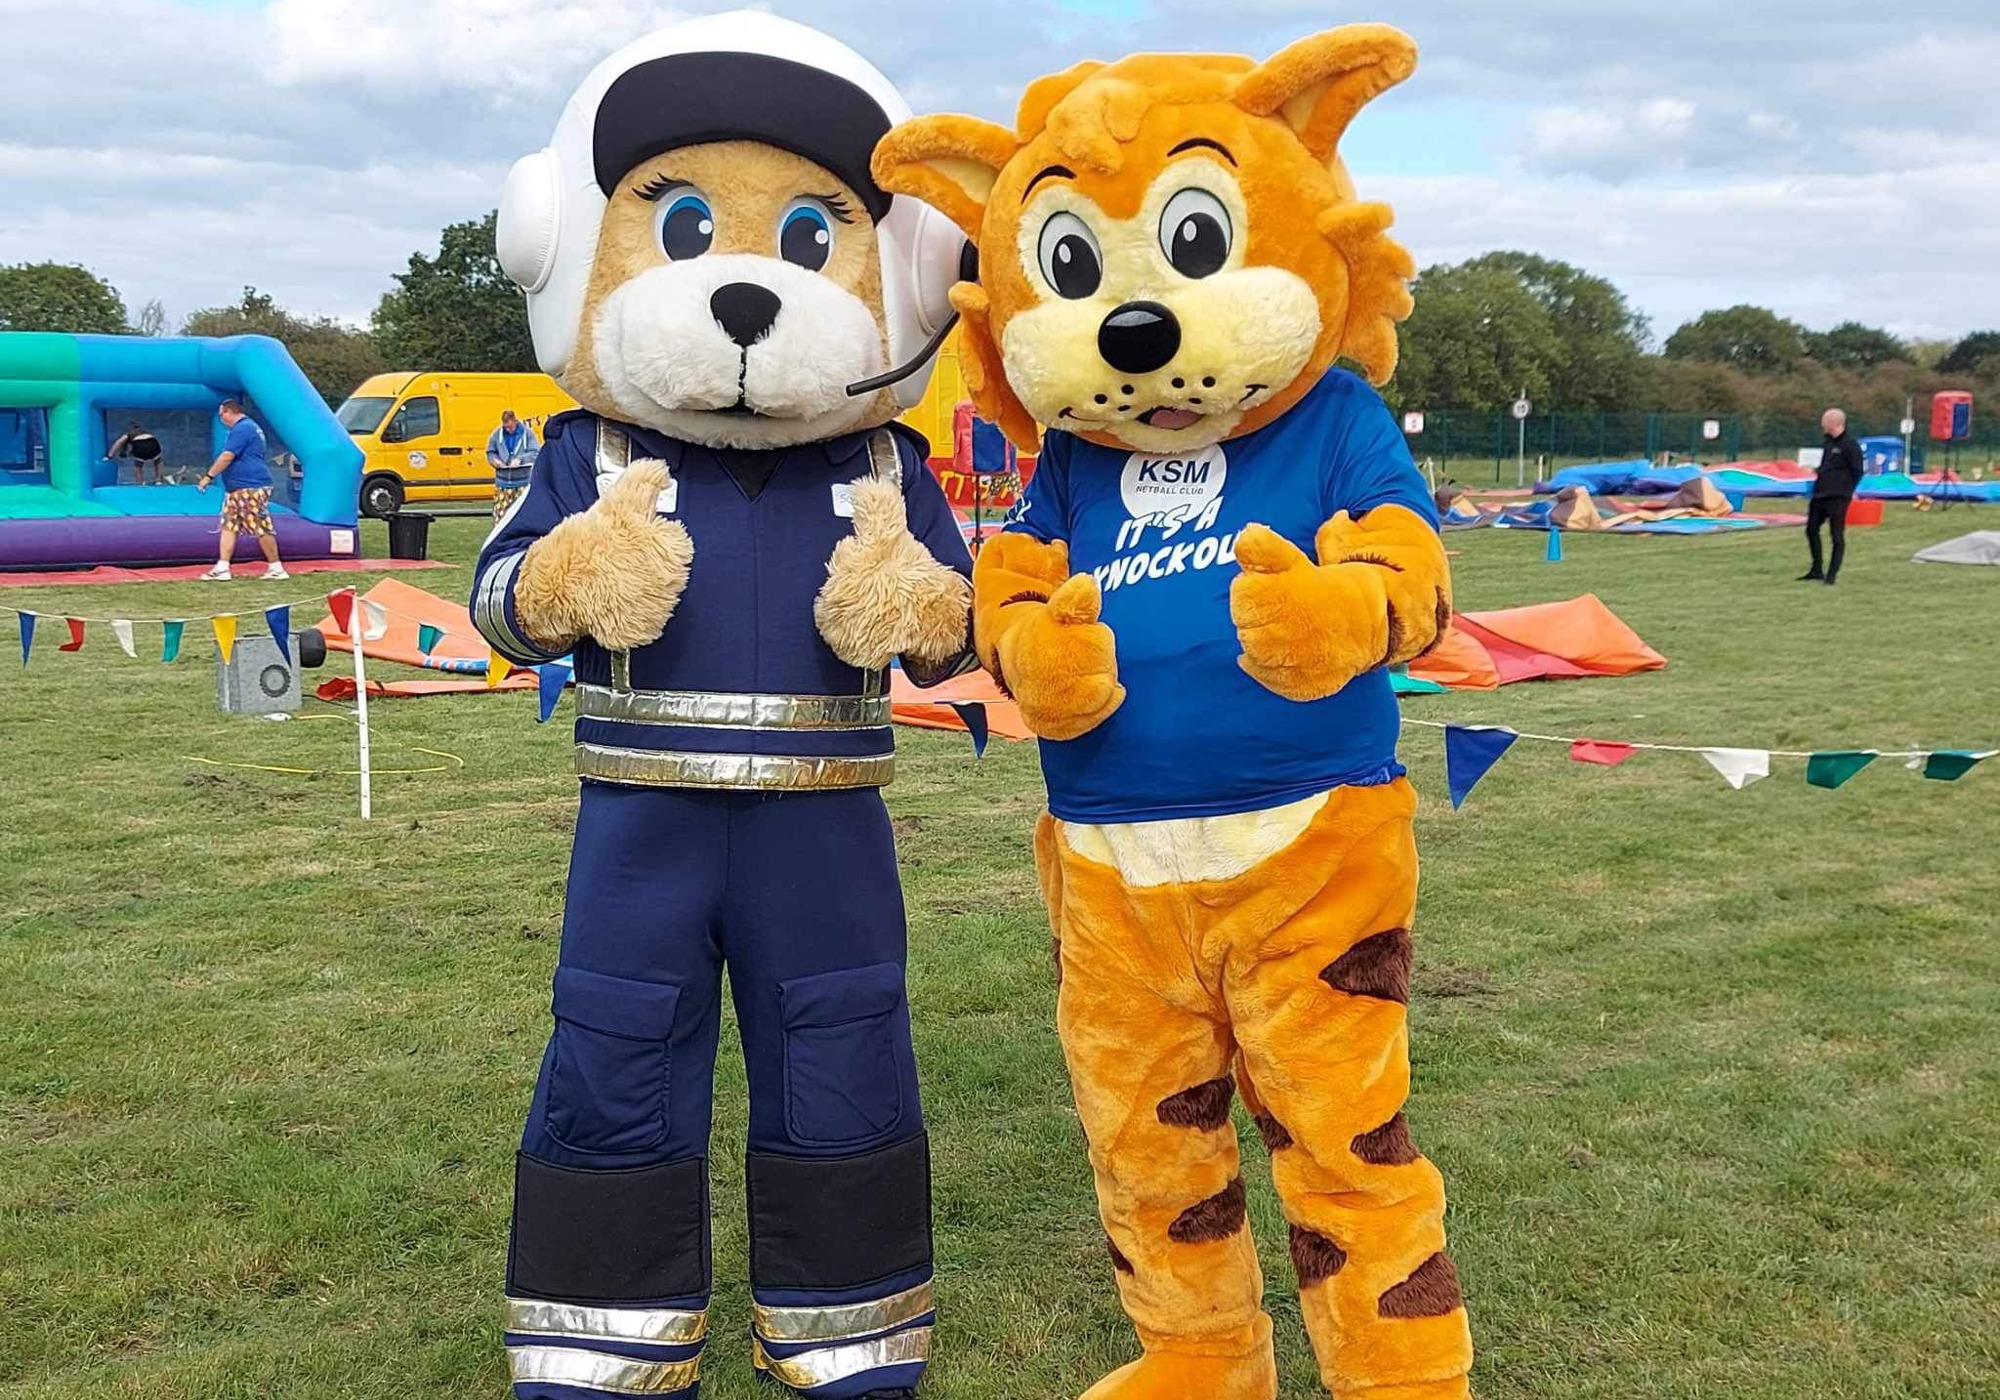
276,571
219,574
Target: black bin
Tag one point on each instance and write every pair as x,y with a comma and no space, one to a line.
409,535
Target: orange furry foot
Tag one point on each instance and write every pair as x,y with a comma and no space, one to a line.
1169,1375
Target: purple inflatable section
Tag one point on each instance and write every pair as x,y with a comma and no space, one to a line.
138,540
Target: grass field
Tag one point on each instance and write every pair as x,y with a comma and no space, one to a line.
1714,1076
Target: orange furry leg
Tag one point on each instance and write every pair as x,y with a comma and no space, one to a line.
1149,1049
1318,984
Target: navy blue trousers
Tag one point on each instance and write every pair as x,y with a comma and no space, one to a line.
608,1276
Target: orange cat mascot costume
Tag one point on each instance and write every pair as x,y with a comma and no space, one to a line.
1224,546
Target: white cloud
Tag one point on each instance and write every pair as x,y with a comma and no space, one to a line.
1830,158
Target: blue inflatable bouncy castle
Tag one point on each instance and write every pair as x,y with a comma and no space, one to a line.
64,399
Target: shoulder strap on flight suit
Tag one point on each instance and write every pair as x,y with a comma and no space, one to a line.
885,463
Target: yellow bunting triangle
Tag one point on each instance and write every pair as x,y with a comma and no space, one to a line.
497,667
225,634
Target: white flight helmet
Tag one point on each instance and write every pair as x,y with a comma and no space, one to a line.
738,76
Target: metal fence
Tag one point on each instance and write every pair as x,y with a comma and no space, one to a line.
1465,442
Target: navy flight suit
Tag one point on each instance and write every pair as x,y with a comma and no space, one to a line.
730,817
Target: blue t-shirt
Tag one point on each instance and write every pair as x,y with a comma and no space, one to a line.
1196,735
246,469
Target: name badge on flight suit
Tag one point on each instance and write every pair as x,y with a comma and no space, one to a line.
843,499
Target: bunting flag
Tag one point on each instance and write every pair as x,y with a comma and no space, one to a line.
27,635
122,630
374,621
1949,765
170,641
1599,751
1469,751
428,637
279,620
1832,767
497,668
225,633
553,678
972,714
1553,554
75,642
1739,767
340,603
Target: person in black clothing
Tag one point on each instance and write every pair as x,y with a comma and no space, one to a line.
1840,468
144,450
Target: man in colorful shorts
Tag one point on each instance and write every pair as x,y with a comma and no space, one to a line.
246,480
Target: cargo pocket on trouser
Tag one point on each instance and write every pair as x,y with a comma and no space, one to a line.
611,1067
843,1080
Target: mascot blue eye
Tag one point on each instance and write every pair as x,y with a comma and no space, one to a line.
805,236
687,227
1071,261
1195,233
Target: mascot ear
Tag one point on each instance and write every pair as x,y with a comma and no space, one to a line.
1317,85
950,163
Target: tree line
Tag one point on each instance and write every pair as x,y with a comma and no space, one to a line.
1483,331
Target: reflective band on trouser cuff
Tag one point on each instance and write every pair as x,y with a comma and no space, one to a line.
596,1370
536,1317
829,1364
724,710
668,768
844,1320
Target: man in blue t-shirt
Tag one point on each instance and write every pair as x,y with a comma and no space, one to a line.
246,483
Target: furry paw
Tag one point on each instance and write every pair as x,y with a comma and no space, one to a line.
1061,663
884,595
1306,629
615,572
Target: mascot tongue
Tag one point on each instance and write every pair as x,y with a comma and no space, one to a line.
1172,419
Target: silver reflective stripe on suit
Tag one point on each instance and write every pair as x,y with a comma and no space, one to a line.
668,768
597,1370
829,1364
537,1317
843,1321
724,710
489,611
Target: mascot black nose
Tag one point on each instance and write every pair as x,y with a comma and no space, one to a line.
745,311
1139,337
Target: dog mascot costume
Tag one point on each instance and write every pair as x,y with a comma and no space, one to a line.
735,544
1223,546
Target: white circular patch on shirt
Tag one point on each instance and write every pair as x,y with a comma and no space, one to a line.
1156,485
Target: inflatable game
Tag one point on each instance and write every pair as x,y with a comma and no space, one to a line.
66,399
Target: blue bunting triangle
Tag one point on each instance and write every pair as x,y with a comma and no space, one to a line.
1469,751
972,714
552,678
279,620
27,635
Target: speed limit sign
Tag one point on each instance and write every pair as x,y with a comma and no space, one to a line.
1522,408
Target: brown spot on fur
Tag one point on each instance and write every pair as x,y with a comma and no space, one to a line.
1118,1259
1388,1145
1432,1291
1315,1258
1030,596
1205,1106
1216,1218
1395,637
1276,1136
1055,953
1378,966
1443,625
1374,559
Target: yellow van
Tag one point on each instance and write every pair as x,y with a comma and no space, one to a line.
425,433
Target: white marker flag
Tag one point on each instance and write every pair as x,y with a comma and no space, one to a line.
122,630
1739,767
374,621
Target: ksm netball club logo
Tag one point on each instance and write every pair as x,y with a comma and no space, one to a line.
1173,502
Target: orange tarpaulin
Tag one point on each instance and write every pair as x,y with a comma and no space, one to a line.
931,709
410,609
1576,637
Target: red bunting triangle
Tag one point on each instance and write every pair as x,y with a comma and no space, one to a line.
340,603
75,642
1601,751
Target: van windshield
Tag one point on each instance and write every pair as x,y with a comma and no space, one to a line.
362,416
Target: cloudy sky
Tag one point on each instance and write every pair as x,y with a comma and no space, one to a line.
1832,159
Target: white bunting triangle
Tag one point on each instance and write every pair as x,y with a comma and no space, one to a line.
374,621
122,630
1739,767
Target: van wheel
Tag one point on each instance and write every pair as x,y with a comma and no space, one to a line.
381,497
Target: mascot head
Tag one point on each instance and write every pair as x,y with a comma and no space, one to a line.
1170,250
705,251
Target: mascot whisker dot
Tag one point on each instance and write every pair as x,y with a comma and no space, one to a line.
735,542
1223,548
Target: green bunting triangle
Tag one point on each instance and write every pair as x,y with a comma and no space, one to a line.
428,637
1832,767
1949,765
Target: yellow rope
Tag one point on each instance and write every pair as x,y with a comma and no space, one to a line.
452,761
